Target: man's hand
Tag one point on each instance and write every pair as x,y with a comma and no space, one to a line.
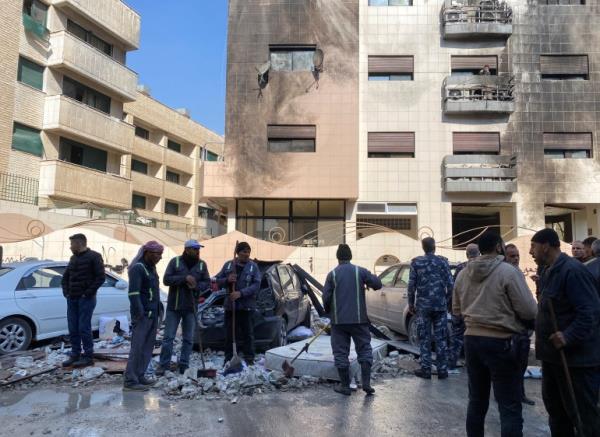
412,309
191,281
558,340
231,278
235,295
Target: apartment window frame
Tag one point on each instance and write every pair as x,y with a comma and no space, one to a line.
568,145
35,146
29,8
561,3
139,201
172,208
139,166
582,75
74,152
399,68
399,147
476,67
296,54
567,154
298,138
390,2
173,177
174,146
142,133
33,68
86,95
89,37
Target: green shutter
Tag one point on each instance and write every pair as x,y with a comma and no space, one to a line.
30,73
27,139
35,27
210,156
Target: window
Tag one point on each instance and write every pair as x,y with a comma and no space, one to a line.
403,278
30,73
567,145
27,139
173,177
109,281
388,277
474,65
564,67
562,2
138,201
390,3
391,144
50,277
171,208
139,166
36,10
87,36
172,145
86,95
291,138
291,57
142,133
211,156
81,154
382,68
476,143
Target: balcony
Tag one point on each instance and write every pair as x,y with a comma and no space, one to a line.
479,18
478,94
180,162
65,115
145,184
178,193
63,180
480,174
69,53
148,150
113,16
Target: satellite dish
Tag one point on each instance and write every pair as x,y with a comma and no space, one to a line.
318,59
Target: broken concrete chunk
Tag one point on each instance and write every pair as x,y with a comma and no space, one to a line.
24,362
91,373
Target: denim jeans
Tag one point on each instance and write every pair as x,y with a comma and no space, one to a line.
188,324
491,363
79,317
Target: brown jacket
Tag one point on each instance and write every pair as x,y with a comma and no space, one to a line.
493,298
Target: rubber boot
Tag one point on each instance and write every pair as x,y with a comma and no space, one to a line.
365,369
344,387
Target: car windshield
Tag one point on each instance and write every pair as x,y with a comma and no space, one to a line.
4,270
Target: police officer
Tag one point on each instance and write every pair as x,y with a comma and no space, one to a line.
186,276
344,300
431,281
244,274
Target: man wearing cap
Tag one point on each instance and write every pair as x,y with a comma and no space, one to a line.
144,294
344,300
568,300
83,277
186,276
245,277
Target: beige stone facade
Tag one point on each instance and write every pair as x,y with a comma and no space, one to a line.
73,121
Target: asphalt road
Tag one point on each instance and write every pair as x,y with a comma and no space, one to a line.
405,406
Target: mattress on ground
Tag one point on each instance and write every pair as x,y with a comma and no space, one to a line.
318,361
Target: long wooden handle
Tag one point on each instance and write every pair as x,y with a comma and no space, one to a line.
307,345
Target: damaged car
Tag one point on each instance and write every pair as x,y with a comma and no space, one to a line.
282,304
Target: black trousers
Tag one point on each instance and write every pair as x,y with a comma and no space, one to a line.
558,403
140,353
244,333
492,363
340,344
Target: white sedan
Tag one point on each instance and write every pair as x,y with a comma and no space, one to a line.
32,305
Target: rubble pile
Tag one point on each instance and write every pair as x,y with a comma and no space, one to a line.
395,364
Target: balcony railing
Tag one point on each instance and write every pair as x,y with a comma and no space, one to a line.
15,188
464,18
480,173
478,93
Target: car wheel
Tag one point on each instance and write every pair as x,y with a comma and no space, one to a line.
307,322
15,335
281,338
413,333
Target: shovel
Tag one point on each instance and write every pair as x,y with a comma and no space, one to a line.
235,364
204,372
288,369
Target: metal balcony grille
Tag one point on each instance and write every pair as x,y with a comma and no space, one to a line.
18,189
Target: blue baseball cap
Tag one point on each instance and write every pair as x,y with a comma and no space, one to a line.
192,244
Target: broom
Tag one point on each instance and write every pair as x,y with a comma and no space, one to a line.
235,364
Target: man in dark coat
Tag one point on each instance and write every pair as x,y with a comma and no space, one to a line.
244,276
429,291
144,300
569,298
344,299
594,264
186,276
83,277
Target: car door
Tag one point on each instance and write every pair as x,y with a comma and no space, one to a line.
39,293
377,300
398,300
110,300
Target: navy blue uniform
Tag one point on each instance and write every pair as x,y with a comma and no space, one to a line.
344,300
429,291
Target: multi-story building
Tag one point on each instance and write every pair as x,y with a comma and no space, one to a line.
443,117
73,125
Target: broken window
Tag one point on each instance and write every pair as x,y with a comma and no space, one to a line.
564,67
292,57
291,138
558,145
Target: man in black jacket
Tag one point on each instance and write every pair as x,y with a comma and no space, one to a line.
569,287
186,276
82,278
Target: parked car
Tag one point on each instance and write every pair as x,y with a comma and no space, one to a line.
32,305
282,305
389,305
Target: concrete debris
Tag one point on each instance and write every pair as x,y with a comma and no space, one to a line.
24,362
91,373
